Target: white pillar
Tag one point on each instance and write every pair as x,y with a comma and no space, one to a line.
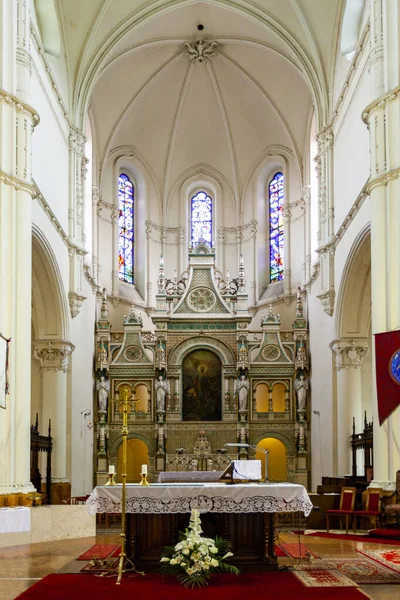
54,361
349,359
382,118
17,120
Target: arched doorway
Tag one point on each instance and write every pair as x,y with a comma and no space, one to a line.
137,454
352,350
277,459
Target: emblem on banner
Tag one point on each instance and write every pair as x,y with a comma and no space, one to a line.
394,366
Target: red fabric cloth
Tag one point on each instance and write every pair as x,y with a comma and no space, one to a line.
388,389
392,534
258,586
366,513
100,551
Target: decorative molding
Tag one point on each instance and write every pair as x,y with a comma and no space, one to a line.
20,106
72,248
17,183
177,354
42,53
382,179
380,103
53,355
349,352
75,303
200,50
328,301
352,69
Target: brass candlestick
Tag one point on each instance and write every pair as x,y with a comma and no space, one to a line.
111,479
144,479
123,564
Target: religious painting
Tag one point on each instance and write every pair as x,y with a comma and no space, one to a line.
201,381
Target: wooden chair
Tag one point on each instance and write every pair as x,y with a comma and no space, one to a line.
78,499
394,507
346,507
372,507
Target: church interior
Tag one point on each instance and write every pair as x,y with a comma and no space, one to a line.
200,232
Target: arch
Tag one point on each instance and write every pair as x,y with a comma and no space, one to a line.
180,351
353,310
50,313
115,444
91,64
290,447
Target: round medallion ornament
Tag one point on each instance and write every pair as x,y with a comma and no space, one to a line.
202,299
133,353
271,353
394,367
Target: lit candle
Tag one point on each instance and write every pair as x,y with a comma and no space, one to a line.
111,470
144,469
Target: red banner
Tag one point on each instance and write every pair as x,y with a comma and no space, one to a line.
387,363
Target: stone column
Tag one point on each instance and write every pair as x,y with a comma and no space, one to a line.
17,120
349,354
54,361
77,173
326,248
383,122
96,211
115,240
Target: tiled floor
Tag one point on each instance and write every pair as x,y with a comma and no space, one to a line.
22,566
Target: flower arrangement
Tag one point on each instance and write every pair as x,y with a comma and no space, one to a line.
195,558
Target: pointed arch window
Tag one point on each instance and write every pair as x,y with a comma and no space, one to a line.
276,229
201,218
126,224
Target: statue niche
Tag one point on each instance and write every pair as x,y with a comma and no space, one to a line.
201,380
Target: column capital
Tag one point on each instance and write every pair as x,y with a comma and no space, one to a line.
350,352
53,355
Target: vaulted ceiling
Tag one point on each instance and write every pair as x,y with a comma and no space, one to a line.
128,62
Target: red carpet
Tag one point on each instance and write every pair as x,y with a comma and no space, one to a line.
296,550
100,551
355,538
259,586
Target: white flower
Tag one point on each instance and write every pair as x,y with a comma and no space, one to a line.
214,562
227,555
186,551
213,550
173,561
165,559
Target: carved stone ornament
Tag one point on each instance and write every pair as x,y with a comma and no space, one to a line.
133,353
53,356
200,50
328,301
350,352
271,353
201,299
75,303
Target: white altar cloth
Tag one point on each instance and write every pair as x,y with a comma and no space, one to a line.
161,498
15,520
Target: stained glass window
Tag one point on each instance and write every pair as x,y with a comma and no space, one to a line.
125,229
276,234
201,218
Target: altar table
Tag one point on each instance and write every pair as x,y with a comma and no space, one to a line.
242,513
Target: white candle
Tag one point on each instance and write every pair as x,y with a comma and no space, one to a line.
111,470
144,469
